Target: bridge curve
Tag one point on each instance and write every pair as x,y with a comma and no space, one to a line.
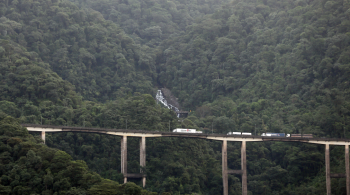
219,137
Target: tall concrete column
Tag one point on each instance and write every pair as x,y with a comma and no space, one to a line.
43,136
328,170
244,168
347,169
124,156
143,157
224,167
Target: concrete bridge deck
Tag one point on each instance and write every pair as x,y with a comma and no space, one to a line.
220,137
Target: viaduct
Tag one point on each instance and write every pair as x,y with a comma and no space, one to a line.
224,138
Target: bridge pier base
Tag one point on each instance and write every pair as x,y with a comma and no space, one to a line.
124,156
330,175
224,167
43,136
242,172
347,169
143,158
328,170
244,168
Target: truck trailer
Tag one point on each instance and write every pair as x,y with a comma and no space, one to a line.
275,135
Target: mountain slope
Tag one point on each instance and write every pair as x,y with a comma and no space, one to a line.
93,54
279,66
284,65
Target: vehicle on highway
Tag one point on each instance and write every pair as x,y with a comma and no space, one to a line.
287,135
275,135
238,133
302,135
178,130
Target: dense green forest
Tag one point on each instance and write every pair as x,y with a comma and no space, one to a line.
30,167
252,66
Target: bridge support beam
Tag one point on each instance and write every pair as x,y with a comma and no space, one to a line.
124,156
43,136
244,168
143,158
224,167
328,170
347,169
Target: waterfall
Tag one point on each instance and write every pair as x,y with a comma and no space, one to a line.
160,98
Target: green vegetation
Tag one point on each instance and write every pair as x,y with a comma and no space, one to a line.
29,167
93,54
252,66
271,65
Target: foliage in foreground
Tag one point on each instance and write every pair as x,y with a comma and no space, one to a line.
29,167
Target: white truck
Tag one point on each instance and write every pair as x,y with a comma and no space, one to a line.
275,135
238,133
178,130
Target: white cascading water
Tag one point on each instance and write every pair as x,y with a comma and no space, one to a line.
160,98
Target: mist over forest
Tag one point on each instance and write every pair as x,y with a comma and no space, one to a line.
236,66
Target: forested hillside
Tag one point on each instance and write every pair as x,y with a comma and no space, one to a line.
282,66
252,66
29,167
94,54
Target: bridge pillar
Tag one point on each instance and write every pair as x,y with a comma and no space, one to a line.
43,136
244,168
124,155
328,170
143,158
224,167
347,169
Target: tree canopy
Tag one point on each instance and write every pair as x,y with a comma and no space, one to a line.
248,66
